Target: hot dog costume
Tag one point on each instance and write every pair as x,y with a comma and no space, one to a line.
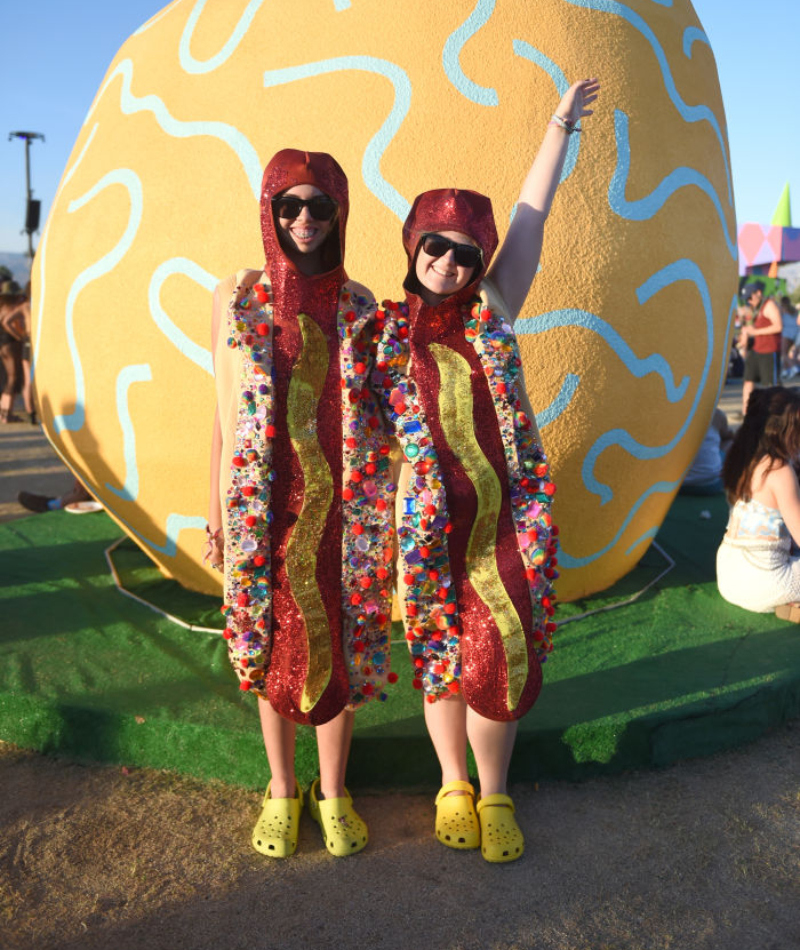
304,473
476,539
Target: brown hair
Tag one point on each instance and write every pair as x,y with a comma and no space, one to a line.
771,429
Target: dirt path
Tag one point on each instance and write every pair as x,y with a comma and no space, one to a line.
702,856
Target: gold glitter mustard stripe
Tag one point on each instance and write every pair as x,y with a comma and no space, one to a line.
456,415
305,390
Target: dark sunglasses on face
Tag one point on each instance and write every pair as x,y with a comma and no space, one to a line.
465,255
320,207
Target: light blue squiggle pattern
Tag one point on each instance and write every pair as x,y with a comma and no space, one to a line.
655,363
370,166
526,51
566,560
559,405
180,265
130,180
175,524
451,56
42,250
647,536
231,136
196,66
687,112
692,35
341,5
127,376
645,208
677,271
155,18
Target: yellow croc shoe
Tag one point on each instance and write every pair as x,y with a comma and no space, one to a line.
275,833
456,820
501,836
342,829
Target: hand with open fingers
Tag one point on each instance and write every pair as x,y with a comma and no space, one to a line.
576,99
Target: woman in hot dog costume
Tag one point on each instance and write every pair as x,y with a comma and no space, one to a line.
300,512
476,540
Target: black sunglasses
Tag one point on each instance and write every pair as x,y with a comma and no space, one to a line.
320,207
465,255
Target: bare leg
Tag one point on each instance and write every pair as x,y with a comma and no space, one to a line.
492,743
76,493
747,388
279,741
27,388
446,720
6,401
333,744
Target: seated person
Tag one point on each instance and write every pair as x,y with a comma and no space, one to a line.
758,566
705,473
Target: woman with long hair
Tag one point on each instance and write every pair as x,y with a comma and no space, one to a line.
300,506
758,567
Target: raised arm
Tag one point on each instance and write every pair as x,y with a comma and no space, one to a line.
516,263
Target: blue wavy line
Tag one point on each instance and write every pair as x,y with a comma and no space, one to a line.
180,265
121,176
231,136
341,5
175,524
139,373
196,66
677,271
526,51
692,35
451,56
560,403
566,560
370,166
687,112
646,536
645,208
655,363
42,249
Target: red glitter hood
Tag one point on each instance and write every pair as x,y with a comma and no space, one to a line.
291,167
450,209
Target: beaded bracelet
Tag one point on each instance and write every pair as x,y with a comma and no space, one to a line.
568,127
213,543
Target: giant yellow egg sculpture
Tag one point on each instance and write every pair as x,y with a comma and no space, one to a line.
623,336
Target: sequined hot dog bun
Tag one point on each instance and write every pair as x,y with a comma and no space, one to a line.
623,336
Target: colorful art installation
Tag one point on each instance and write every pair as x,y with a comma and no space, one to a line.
763,248
624,336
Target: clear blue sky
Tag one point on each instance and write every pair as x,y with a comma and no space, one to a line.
55,54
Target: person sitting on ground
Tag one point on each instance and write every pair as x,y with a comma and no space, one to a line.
705,473
39,504
758,564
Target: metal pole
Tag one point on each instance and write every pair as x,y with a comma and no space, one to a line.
28,136
29,192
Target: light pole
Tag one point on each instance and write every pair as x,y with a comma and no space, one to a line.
32,207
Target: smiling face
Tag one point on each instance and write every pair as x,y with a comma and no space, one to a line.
440,277
302,237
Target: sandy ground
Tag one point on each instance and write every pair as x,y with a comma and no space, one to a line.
705,854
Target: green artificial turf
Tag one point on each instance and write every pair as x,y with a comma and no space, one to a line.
90,673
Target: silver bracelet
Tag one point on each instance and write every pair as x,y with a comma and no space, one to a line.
567,126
